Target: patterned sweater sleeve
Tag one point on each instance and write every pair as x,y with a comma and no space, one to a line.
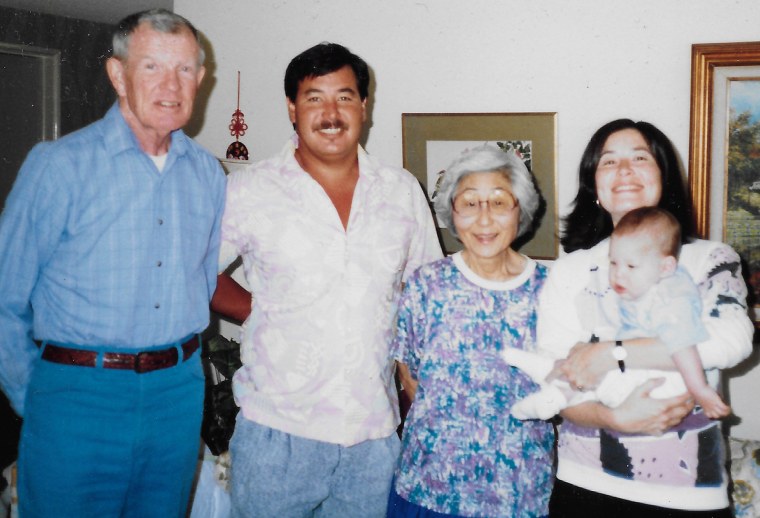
717,273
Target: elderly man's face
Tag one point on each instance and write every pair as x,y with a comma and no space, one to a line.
328,114
158,81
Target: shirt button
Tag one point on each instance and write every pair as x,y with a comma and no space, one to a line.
159,263
160,221
156,305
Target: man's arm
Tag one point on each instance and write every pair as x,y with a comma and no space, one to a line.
30,228
230,299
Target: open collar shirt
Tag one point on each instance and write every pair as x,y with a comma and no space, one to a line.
315,347
100,249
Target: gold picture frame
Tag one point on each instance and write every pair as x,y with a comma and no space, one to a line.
713,67
447,134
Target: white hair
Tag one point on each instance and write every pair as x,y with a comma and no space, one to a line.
489,159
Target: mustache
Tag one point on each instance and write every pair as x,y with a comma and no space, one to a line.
333,124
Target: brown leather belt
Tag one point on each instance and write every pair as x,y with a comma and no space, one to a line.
145,361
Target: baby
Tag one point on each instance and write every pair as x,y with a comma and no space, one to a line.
656,298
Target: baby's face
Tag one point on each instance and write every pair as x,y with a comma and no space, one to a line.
635,265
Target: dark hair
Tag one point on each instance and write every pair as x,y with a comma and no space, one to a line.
323,59
160,20
588,223
659,226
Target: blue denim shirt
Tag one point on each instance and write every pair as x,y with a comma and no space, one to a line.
99,248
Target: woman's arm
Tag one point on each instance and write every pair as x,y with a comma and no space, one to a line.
587,363
406,344
716,269
638,414
718,274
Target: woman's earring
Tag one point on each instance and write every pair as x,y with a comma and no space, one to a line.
597,202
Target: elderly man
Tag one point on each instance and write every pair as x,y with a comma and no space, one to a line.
110,242
327,234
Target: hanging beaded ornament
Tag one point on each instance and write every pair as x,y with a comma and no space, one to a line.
237,149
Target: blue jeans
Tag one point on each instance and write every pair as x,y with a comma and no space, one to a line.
104,442
279,474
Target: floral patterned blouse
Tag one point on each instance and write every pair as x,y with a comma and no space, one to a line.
462,452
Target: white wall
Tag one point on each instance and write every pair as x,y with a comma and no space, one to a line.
590,61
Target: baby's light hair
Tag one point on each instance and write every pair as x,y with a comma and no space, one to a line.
657,224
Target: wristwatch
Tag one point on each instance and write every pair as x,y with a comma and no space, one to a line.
620,354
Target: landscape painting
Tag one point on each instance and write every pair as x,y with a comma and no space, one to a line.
742,185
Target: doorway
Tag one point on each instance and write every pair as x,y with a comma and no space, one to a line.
29,105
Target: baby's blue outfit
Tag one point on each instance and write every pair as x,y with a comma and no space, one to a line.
671,309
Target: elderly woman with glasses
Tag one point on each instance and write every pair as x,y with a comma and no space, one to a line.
463,454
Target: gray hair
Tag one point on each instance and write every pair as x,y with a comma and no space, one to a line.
489,159
160,20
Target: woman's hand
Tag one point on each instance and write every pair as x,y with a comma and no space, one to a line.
585,365
642,414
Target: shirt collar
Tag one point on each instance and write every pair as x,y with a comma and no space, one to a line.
119,137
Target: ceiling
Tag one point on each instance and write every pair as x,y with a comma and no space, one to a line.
103,11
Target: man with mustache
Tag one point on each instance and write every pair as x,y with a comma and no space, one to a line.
327,234
110,241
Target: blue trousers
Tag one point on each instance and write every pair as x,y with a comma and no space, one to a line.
275,474
109,443
399,507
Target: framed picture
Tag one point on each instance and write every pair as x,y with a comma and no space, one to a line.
724,154
432,140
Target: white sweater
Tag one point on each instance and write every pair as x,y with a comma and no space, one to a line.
684,468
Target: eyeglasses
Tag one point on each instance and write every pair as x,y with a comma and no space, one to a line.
499,203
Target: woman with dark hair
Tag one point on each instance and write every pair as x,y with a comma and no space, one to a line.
646,457
589,222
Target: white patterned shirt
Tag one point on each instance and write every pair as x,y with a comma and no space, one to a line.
315,347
